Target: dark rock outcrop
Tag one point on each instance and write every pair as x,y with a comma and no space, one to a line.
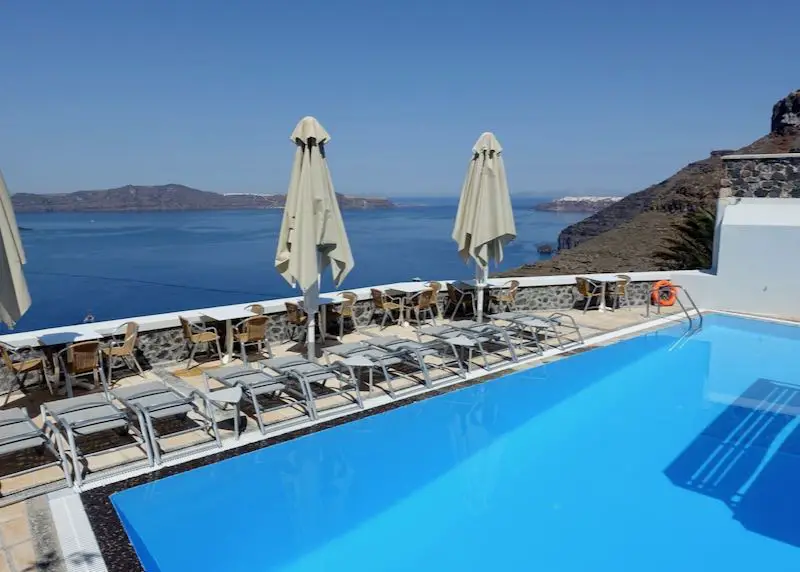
165,198
786,114
626,235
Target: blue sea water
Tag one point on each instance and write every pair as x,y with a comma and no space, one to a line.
116,265
642,455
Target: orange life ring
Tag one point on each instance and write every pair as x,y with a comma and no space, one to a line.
664,293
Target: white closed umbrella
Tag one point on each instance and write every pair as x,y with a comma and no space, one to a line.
14,297
312,233
485,220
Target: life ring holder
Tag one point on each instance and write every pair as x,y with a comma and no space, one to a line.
664,293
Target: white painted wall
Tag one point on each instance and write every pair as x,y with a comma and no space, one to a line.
756,259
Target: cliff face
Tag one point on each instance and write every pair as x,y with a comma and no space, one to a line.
164,198
626,235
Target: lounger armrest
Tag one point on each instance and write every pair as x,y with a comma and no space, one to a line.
48,424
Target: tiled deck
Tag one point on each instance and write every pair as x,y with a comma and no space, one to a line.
18,548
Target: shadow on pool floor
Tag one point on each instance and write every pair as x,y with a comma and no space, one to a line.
749,458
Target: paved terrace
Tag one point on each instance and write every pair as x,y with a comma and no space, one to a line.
26,534
27,539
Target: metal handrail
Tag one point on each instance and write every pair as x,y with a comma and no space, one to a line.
683,307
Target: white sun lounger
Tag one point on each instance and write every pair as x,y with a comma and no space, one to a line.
317,375
76,418
18,433
480,335
257,384
365,355
530,326
160,400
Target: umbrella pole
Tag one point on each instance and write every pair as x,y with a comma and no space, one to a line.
312,309
481,276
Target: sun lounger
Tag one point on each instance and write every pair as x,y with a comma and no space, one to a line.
530,326
90,415
257,383
372,357
158,401
316,375
18,434
440,348
482,335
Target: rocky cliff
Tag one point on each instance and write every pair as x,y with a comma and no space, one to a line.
626,235
165,198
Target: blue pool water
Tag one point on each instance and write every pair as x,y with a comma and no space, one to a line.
634,456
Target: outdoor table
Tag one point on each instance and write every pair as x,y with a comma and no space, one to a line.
361,361
489,285
227,314
604,279
66,338
405,291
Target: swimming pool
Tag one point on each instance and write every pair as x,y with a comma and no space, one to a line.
642,455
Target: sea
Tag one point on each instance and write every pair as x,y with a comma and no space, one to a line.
103,266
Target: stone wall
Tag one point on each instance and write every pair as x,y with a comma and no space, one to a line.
167,345
761,176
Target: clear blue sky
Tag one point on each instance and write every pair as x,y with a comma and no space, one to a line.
584,95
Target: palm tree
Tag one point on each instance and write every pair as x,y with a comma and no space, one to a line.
692,248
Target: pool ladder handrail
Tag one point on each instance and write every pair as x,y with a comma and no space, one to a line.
697,311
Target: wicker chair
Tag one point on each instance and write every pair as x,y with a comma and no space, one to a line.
423,304
506,299
123,351
297,321
590,290
20,363
195,335
457,298
81,359
257,309
253,331
346,311
436,287
620,291
385,304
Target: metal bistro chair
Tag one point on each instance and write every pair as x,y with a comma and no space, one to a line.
20,363
590,290
79,360
506,299
385,304
253,331
121,352
621,291
346,311
195,335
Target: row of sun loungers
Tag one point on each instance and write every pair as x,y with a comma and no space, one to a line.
147,415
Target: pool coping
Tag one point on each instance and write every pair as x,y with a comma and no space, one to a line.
99,526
